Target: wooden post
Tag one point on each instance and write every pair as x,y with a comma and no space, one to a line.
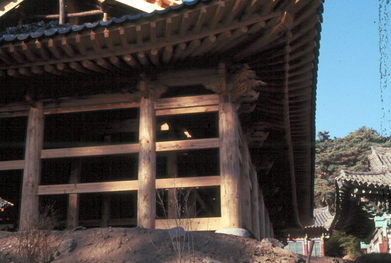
262,214
172,170
255,203
106,209
106,200
245,186
146,198
229,163
29,209
73,199
61,11
267,224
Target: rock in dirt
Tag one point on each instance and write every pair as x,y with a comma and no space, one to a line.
240,232
67,246
274,242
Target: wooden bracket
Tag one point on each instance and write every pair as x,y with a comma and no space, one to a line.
238,82
152,88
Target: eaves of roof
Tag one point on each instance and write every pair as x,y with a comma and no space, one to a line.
53,30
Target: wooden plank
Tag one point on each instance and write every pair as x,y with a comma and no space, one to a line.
90,151
7,5
11,165
146,196
140,5
187,144
188,110
187,182
188,101
129,185
103,187
187,77
128,148
191,224
29,208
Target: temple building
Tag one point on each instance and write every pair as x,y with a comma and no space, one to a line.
137,113
363,202
311,239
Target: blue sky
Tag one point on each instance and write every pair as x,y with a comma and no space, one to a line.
348,90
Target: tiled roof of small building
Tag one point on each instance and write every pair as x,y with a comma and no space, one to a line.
48,29
380,159
379,179
323,218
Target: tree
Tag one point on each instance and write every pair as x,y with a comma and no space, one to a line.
346,153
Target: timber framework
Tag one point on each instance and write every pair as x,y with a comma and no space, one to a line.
202,111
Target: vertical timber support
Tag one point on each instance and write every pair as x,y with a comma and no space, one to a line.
229,159
73,199
245,185
61,11
106,198
106,209
262,215
172,192
146,197
255,203
29,209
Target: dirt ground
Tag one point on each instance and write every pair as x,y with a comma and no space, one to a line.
122,245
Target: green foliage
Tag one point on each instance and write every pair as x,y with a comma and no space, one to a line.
324,193
341,244
347,153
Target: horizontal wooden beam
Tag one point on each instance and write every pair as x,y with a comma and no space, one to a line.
167,106
12,165
191,224
187,145
130,185
188,101
70,105
90,151
7,5
102,187
188,110
187,77
128,148
77,14
186,182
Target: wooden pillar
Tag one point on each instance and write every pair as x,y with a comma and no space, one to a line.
172,170
106,199
146,197
229,163
255,204
73,199
106,209
29,209
61,11
246,186
262,213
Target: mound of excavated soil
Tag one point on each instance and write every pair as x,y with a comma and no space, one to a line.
120,245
